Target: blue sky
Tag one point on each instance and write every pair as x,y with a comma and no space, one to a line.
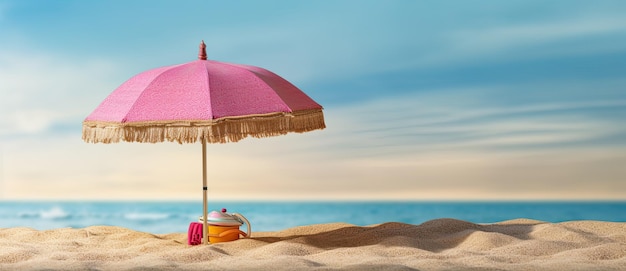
424,100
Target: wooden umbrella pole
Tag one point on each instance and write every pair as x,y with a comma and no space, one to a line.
205,227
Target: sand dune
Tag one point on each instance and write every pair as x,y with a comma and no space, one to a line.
443,244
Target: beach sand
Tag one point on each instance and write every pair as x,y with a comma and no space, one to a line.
443,244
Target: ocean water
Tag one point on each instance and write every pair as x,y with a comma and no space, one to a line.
169,217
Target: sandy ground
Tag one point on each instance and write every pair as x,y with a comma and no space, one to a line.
443,244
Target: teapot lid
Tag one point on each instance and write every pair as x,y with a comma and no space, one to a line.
223,219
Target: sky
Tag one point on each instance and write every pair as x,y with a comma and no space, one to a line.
423,100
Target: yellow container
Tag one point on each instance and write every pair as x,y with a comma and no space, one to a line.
224,227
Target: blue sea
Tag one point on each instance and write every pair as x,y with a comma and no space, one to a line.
170,217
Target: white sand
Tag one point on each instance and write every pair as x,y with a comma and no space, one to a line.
443,244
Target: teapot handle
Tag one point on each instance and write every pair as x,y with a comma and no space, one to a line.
247,223
229,232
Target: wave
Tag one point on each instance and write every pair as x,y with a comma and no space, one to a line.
54,213
28,215
146,216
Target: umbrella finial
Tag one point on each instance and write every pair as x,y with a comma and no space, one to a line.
202,52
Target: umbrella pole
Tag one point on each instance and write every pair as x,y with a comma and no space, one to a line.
205,228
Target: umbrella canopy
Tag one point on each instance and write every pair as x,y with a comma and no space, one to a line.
202,100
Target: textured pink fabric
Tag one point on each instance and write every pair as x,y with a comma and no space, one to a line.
201,90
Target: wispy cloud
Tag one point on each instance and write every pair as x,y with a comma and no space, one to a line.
523,40
534,33
39,91
458,117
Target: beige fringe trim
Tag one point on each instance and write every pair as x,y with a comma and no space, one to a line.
223,130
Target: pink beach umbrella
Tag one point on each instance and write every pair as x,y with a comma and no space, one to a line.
205,101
